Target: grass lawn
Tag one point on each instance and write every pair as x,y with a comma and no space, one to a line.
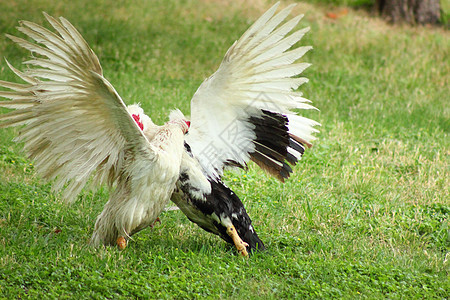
365,214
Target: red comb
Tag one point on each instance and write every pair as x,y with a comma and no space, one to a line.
137,119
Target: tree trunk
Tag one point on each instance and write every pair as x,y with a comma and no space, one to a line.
410,11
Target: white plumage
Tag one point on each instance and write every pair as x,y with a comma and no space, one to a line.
77,128
245,110
257,74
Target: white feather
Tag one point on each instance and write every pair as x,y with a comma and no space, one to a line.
257,73
78,126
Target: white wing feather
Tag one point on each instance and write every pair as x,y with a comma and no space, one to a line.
257,74
76,123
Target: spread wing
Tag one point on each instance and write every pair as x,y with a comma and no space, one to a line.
245,109
76,123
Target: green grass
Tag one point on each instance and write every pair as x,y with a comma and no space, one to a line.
365,214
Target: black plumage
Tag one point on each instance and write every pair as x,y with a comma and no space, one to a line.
272,143
212,205
214,209
245,111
